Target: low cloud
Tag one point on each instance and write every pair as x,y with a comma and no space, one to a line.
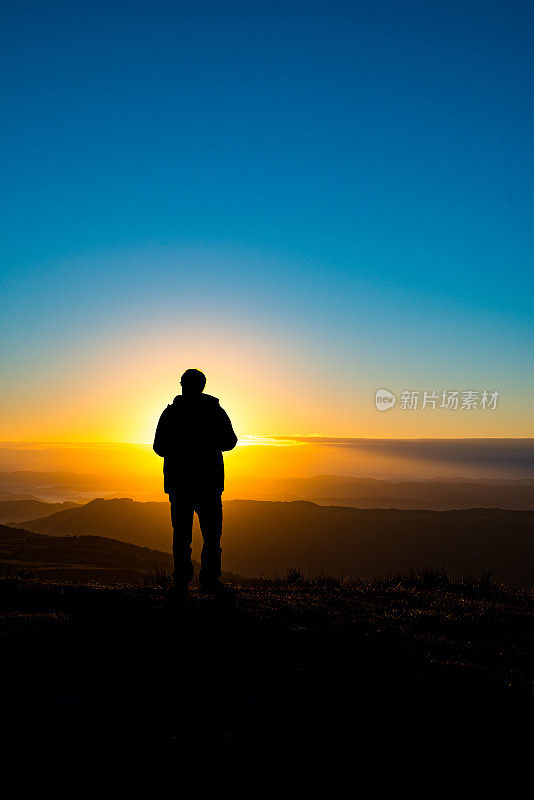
508,456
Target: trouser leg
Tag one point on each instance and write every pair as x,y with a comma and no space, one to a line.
182,522
209,510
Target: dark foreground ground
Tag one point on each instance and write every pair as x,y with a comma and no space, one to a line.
409,684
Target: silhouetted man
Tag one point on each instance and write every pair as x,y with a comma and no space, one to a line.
190,436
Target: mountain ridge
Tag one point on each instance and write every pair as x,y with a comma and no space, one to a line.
268,537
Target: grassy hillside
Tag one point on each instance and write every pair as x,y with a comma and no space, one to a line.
262,537
404,685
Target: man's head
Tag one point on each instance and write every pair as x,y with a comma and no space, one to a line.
193,382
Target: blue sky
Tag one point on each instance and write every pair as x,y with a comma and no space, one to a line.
354,179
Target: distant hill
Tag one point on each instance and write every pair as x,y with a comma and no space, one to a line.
262,537
59,486
17,496
367,543
374,502
438,494
40,553
82,557
148,524
20,510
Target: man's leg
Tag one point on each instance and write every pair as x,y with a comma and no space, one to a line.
182,522
209,509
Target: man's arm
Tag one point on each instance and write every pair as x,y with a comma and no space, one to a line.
160,439
227,439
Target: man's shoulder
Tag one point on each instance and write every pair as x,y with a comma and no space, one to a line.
166,413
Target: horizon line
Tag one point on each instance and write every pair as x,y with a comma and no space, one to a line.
298,437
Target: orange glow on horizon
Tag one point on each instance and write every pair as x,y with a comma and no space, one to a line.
114,391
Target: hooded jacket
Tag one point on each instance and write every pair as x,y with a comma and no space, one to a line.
191,434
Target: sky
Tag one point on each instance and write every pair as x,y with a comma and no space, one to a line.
308,201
